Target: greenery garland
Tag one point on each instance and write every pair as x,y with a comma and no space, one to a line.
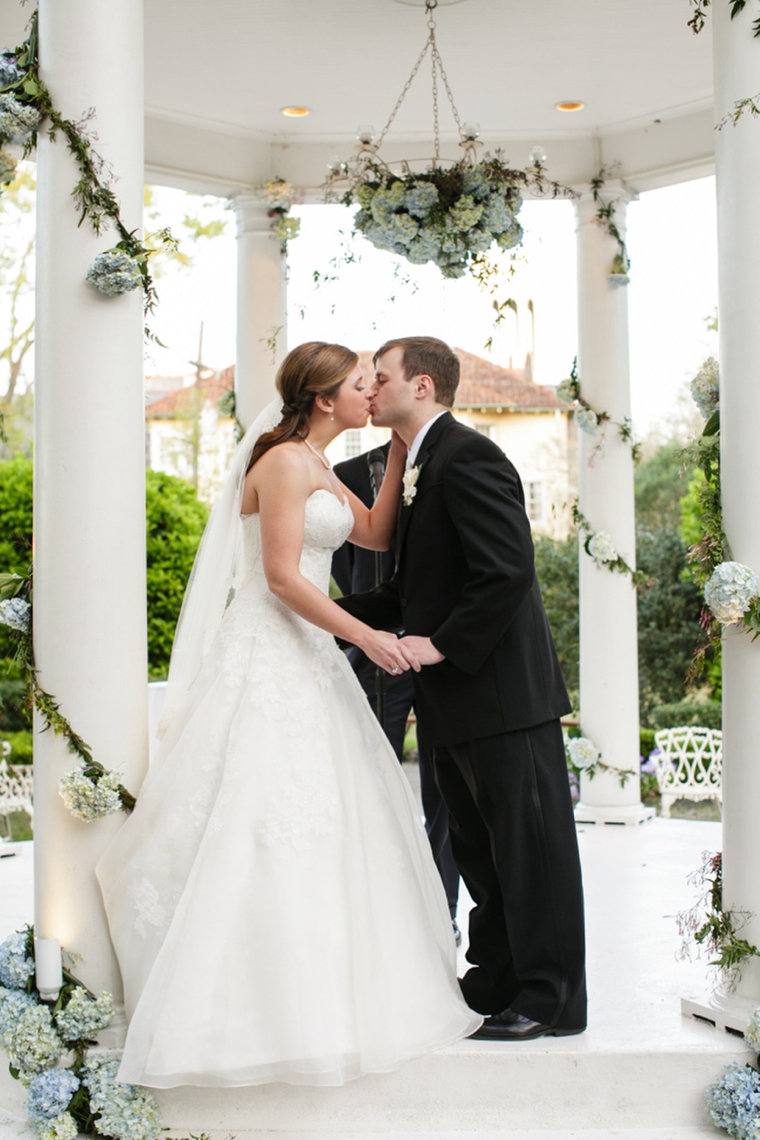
91,790
605,216
583,756
709,925
25,106
730,589
697,21
598,545
590,421
85,1097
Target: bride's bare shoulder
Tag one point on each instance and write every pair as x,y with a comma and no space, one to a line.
281,470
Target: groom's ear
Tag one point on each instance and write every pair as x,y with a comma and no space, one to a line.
423,386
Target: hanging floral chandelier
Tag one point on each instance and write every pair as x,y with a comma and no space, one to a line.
451,213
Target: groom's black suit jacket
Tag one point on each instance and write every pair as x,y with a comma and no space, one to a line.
465,578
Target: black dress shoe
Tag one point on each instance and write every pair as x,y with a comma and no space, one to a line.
511,1026
457,932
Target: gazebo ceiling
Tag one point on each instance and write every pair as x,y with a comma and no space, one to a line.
218,74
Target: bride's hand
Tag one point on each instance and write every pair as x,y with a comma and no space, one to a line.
388,652
398,447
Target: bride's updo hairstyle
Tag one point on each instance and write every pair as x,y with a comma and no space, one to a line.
313,369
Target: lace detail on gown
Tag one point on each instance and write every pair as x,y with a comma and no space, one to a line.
275,845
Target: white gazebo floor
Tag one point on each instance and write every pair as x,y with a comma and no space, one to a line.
639,1071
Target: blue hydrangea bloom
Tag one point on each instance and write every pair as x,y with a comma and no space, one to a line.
126,1112
114,272
50,1092
733,1102
419,198
12,1005
16,967
17,121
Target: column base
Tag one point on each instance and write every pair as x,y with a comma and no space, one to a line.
626,814
728,1012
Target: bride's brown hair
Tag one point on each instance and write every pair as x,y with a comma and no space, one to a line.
313,369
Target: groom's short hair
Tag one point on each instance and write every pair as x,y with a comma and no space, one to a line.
427,356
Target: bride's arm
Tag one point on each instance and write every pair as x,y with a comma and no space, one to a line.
373,529
283,484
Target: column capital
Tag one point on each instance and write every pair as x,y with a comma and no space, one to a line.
615,191
253,216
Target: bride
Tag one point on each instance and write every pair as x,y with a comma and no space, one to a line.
272,900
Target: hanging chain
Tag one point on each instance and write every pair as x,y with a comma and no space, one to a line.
437,64
436,134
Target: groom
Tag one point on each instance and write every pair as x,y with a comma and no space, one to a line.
488,699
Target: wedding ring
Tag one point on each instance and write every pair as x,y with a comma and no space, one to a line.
395,669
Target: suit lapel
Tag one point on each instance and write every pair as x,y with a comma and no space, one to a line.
426,450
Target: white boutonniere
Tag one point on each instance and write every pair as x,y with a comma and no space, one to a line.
411,475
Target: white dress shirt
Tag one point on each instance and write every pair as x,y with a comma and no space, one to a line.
414,450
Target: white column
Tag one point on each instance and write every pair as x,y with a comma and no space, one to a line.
89,499
736,55
609,693
261,308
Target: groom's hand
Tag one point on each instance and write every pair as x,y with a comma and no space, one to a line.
423,649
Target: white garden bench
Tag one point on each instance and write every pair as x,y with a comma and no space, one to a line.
16,783
690,764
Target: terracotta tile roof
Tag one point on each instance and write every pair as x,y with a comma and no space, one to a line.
482,385
179,403
486,385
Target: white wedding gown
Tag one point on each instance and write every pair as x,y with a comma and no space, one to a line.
273,902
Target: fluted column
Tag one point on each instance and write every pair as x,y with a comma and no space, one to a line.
261,308
89,498
735,61
609,693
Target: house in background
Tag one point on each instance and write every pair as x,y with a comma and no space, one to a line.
190,436
186,432
532,427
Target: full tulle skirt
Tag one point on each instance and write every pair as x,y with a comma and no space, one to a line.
273,902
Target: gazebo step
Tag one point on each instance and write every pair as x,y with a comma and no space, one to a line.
478,1088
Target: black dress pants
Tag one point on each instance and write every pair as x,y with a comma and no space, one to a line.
513,838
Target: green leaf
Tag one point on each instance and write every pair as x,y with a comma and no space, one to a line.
756,26
31,86
737,6
712,427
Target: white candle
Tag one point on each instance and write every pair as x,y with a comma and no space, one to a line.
47,958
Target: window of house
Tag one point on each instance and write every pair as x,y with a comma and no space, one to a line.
534,501
485,429
353,443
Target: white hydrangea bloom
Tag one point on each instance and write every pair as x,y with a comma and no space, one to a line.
600,547
730,590
568,390
33,1044
126,1112
705,387
752,1032
582,752
84,1016
16,613
587,420
85,798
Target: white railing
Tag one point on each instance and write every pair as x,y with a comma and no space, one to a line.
690,764
16,785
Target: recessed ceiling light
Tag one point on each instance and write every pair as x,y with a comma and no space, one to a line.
570,105
296,112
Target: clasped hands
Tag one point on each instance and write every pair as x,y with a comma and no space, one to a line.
398,654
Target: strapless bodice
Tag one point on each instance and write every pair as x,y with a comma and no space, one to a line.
327,524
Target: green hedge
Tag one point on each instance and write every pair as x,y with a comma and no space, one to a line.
704,713
175,519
